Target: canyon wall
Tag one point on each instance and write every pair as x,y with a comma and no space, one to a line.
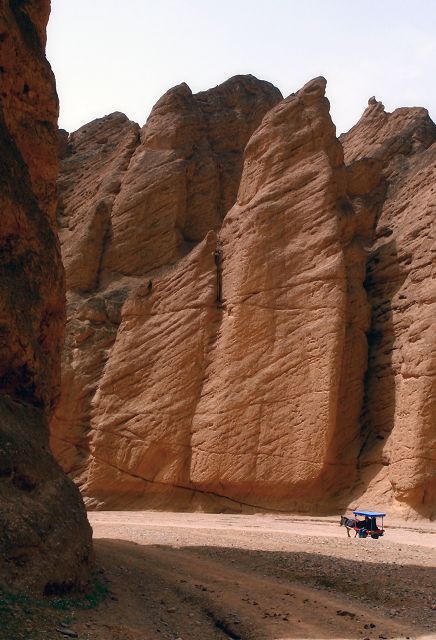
45,542
399,418
250,320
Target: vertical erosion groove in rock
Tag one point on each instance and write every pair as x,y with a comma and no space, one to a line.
46,540
398,457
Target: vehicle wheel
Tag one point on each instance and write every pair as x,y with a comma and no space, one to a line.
375,536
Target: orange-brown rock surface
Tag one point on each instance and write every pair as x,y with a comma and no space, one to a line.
184,175
269,418
45,541
132,201
399,421
217,343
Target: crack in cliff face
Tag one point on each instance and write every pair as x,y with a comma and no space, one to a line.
218,258
191,489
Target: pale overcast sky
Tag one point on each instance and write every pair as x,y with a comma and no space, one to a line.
122,55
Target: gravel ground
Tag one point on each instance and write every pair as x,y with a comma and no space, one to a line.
257,577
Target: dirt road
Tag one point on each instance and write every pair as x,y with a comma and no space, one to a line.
252,577
263,577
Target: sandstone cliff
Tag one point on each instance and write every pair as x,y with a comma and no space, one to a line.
45,542
399,420
225,278
163,187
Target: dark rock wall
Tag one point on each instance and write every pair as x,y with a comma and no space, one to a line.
46,540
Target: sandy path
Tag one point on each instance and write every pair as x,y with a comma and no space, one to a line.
262,577
107,522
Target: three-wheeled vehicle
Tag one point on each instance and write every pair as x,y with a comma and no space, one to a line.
369,526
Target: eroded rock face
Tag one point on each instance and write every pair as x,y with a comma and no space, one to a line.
141,441
46,540
184,175
220,338
399,420
218,356
269,417
169,185
104,149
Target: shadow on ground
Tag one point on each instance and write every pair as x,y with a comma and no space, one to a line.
207,592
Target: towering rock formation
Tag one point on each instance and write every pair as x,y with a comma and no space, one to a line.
399,421
135,201
269,419
45,542
217,352
225,379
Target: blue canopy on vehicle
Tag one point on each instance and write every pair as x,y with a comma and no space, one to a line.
370,514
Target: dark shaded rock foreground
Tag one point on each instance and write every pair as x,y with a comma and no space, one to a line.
45,541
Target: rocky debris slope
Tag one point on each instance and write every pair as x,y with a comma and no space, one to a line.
399,421
217,357
45,541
